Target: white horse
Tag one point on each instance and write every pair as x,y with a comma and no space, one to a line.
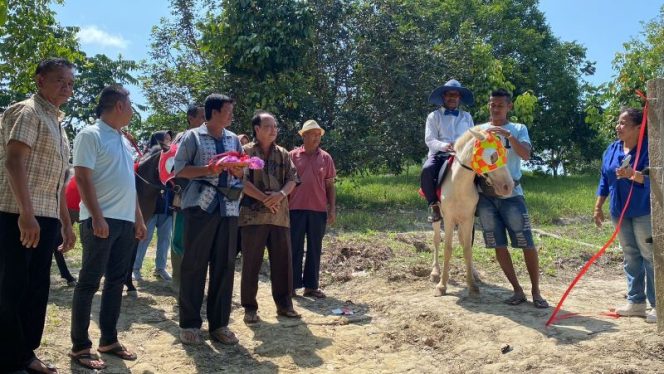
478,151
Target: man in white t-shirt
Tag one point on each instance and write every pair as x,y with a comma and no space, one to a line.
444,126
111,221
507,217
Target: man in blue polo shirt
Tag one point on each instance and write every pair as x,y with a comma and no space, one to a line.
110,222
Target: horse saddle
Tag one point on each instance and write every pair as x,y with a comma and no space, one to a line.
444,169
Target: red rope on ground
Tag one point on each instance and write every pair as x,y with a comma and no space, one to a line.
599,253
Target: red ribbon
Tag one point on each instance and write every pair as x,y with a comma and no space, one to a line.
133,143
599,253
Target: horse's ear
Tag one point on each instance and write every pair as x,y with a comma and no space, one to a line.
478,135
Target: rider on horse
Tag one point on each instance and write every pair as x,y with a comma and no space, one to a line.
443,127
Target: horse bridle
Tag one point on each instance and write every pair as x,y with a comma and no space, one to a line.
485,175
161,187
174,187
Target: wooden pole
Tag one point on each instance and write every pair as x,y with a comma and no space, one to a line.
655,150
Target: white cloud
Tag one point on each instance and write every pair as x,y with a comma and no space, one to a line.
94,35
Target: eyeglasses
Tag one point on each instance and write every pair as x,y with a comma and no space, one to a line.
271,127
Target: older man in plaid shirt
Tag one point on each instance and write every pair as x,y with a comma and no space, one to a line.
35,157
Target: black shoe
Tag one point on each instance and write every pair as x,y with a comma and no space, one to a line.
435,213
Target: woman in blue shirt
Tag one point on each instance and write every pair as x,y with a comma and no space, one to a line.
615,182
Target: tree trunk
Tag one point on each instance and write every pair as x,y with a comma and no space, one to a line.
655,150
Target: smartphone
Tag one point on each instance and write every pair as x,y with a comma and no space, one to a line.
625,161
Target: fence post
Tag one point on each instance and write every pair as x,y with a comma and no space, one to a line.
655,150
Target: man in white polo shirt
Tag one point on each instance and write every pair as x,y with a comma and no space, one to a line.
110,222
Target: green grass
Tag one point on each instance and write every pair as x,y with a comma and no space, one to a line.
551,199
391,203
377,206
374,208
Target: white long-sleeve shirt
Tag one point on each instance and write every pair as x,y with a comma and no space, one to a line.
443,130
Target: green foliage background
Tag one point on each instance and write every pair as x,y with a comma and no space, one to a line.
362,69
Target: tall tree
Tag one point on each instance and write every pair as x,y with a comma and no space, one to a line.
365,68
642,60
31,34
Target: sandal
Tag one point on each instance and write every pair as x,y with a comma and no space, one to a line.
289,314
49,368
515,300
224,335
86,359
251,317
119,350
190,336
314,293
540,304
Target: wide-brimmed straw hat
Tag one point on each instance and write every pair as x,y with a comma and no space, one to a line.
311,125
436,96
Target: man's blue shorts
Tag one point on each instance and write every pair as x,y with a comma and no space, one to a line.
500,215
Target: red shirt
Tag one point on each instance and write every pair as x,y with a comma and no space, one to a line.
314,170
72,196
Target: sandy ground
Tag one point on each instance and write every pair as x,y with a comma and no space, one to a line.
397,327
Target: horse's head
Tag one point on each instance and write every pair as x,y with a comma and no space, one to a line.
487,157
148,165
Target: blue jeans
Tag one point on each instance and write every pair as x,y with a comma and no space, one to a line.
164,225
499,215
638,258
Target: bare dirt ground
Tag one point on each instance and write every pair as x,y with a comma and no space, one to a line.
397,326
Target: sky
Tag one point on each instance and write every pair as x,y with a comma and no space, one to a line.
602,26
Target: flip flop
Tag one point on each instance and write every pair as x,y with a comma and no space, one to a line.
49,367
289,314
540,304
224,335
190,336
120,351
87,356
314,293
251,318
515,300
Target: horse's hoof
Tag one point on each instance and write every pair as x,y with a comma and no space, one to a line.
435,278
474,292
439,291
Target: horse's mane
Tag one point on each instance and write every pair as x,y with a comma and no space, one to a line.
464,139
155,149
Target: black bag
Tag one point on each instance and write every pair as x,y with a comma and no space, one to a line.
231,193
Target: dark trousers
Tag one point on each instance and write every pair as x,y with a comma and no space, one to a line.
177,249
24,285
62,265
309,224
60,258
254,240
211,239
110,258
429,177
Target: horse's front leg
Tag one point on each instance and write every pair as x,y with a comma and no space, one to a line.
441,287
435,271
465,238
